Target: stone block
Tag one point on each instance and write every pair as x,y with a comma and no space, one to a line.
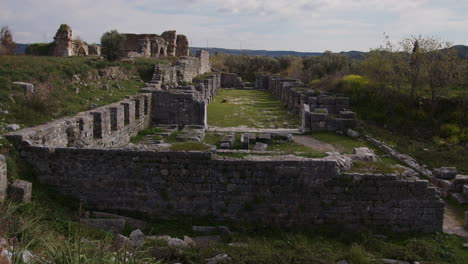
316,117
111,225
3,178
229,139
282,136
347,114
252,137
446,173
364,154
466,220
244,141
265,137
20,191
260,146
465,190
225,145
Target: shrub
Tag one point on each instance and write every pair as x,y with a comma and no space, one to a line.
112,43
449,130
39,49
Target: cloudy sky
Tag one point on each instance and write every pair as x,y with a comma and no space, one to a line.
301,25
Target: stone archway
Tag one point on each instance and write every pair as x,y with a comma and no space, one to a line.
161,51
81,51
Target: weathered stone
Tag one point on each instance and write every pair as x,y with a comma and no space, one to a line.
364,154
12,127
175,242
260,146
132,222
3,178
189,241
137,237
446,173
123,242
466,220
182,46
264,138
28,88
20,191
282,136
110,225
352,133
219,259
393,261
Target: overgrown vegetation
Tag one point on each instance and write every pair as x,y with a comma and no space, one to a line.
413,93
65,85
112,43
249,108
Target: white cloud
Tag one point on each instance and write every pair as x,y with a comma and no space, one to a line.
307,25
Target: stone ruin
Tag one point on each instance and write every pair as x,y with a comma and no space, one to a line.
64,45
318,111
135,45
86,156
152,45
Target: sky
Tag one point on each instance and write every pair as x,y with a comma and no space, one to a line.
300,25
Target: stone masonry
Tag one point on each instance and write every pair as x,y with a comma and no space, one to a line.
318,112
65,45
84,156
3,178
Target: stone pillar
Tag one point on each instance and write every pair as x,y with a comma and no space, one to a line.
3,178
182,46
63,43
170,37
205,65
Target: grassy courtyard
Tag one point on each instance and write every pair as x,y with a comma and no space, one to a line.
249,108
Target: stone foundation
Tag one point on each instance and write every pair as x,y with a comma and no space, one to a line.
307,192
318,112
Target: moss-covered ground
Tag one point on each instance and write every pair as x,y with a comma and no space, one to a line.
249,108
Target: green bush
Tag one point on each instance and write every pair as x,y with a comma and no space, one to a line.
449,131
111,43
39,49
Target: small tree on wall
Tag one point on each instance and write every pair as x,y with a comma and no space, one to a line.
7,45
112,43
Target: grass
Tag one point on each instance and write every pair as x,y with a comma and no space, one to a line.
56,86
343,143
295,148
379,166
187,146
148,131
425,151
249,108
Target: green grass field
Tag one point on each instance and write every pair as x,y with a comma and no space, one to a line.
249,108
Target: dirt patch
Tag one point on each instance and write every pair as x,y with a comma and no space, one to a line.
452,225
315,144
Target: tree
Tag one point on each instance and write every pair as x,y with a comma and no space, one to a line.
112,44
7,45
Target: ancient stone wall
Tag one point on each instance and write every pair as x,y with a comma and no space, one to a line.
318,112
170,37
182,49
3,178
63,42
184,105
231,80
167,76
108,126
307,192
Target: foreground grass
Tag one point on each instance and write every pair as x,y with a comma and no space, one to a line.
249,108
59,93
47,227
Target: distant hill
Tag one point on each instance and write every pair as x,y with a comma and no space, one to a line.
462,51
273,53
20,48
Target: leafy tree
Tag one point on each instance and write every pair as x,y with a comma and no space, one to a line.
112,44
7,45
